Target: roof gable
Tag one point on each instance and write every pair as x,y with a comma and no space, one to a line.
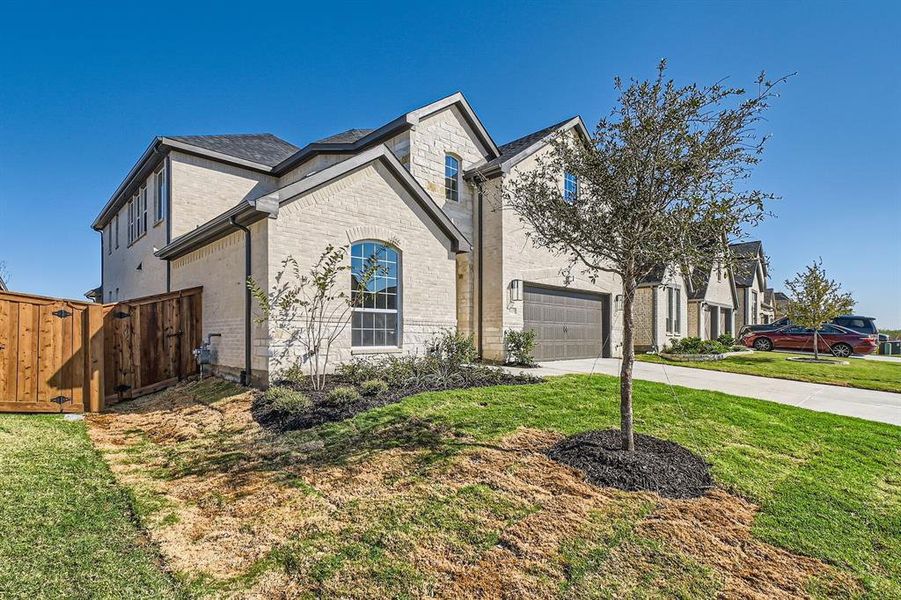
521,148
267,206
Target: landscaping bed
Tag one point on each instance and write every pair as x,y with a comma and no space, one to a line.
295,404
656,465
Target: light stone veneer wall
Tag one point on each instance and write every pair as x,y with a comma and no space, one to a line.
509,255
203,189
365,204
121,278
219,268
719,293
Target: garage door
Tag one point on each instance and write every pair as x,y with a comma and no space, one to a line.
567,324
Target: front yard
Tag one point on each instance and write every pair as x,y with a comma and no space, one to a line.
860,373
450,494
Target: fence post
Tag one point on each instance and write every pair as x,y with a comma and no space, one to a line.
94,359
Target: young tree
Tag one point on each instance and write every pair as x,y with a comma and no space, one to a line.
313,310
815,299
661,182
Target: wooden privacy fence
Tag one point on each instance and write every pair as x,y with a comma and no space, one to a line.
68,356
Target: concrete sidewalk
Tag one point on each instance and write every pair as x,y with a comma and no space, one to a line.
865,404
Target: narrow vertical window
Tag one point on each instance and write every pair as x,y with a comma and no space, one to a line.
669,310
117,230
451,177
160,196
143,213
376,316
109,239
570,187
677,326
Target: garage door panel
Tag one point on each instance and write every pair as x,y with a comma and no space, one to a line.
568,324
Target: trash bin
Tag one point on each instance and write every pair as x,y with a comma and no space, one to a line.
892,348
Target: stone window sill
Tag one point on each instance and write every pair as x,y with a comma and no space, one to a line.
377,350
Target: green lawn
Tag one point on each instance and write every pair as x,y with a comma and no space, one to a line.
861,373
368,519
66,527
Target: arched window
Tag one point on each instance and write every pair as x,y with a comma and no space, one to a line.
451,177
376,315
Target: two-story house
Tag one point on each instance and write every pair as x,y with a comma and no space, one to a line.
420,192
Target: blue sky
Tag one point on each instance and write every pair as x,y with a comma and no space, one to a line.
84,90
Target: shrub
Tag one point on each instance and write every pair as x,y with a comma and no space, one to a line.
374,387
726,339
342,395
287,401
519,346
693,345
295,373
452,347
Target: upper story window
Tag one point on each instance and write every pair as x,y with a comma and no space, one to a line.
376,316
753,307
451,177
137,215
116,227
109,238
570,187
159,205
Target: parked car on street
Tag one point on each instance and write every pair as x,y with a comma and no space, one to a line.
865,325
777,324
840,341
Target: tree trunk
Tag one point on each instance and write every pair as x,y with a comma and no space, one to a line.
816,346
625,374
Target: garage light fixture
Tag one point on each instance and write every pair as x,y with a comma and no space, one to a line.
516,290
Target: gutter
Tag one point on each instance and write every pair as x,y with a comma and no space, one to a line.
479,269
248,271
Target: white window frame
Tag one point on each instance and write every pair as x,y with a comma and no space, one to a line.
452,195
673,310
570,196
397,311
160,193
753,307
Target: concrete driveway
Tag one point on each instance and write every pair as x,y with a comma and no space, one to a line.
884,407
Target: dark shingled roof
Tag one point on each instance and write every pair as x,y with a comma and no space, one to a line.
655,276
700,277
744,271
263,148
511,149
747,249
345,137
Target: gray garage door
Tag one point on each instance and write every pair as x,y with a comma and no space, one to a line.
567,324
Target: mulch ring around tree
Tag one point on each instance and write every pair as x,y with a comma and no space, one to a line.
656,465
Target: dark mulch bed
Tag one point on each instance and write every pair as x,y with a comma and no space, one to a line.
656,465
323,411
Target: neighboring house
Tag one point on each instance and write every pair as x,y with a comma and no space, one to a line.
768,306
421,191
712,301
781,301
661,309
750,273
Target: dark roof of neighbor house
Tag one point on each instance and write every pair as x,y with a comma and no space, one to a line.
744,271
700,277
654,276
345,137
781,297
512,149
747,249
263,148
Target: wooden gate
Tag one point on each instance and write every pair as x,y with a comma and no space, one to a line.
149,343
69,356
51,354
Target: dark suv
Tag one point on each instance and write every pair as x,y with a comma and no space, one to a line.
865,325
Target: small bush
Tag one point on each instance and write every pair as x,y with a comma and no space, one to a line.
342,395
726,339
287,401
295,373
693,345
452,347
373,387
519,346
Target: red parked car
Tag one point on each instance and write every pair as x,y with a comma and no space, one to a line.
840,341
